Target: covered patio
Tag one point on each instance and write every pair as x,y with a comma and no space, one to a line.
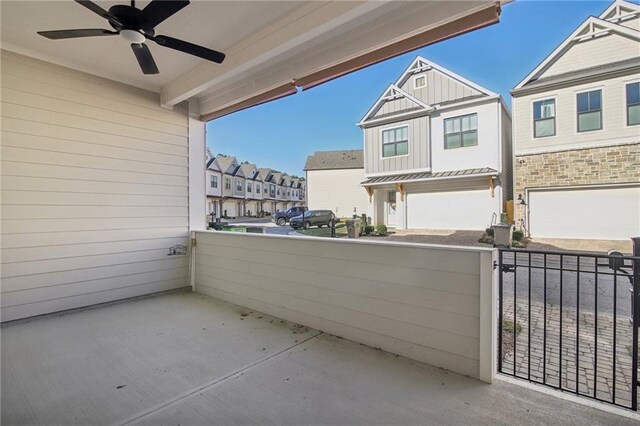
115,301
185,358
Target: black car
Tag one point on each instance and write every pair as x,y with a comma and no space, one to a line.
281,218
317,218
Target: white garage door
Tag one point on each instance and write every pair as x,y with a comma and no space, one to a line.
451,210
601,214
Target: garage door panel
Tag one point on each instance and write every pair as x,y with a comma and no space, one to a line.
594,213
471,209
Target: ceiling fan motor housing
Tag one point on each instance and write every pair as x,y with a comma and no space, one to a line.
130,18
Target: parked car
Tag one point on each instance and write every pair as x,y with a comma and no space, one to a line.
281,218
317,218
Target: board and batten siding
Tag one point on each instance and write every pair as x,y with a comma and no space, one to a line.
94,190
419,155
439,88
432,304
506,176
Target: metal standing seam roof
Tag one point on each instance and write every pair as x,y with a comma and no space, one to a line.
427,175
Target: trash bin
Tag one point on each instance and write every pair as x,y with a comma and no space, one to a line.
353,228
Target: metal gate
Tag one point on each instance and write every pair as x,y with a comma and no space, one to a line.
570,321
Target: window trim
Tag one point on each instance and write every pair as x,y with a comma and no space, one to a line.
240,185
394,127
461,132
626,104
415,79
227,184
555,117
595,89
214,181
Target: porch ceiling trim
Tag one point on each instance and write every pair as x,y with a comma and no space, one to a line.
428,176
474,21
279,92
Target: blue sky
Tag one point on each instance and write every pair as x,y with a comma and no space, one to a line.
281,134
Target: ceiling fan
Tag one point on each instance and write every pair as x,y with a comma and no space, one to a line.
137,26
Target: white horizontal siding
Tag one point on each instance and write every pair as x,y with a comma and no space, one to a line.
418,301
94,190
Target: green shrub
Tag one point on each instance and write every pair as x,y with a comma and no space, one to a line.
518,235
489,232
369,229
381,229
508,326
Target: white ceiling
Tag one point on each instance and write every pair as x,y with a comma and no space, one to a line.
268,43
215,24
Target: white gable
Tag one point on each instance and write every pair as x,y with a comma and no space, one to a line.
393,94
595,42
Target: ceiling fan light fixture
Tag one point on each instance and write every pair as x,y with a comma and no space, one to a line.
132,36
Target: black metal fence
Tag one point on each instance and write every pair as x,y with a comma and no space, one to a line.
570,321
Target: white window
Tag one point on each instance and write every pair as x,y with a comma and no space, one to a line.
238,185
419,81
461,131
227,183
589,111
544,118
249,187
633,104
395,141
214,181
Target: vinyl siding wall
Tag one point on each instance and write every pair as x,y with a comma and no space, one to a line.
439,88
419,155
94,190
614,118
594,52
429,303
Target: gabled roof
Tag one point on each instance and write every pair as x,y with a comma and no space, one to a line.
213,165
591,28
328,160
265,174
394,92
227,164
620,11
238,172
250,171
420,64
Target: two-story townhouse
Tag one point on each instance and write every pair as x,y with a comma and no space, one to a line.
302,192
231,196
214,188
285,192
258,195
437,152
251,202
577,133
276,179
268,190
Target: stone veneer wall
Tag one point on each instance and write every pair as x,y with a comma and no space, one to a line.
588,166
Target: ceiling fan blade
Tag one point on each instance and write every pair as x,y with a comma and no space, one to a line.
98,10
143,55
62,34
190,48
159,10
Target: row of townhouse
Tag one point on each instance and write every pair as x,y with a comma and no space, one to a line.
241,189
441,152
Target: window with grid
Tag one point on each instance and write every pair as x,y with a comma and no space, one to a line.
633,104
420,82
227,183
395,141
238,185
249,187
589,111
544,118
214,181
461,131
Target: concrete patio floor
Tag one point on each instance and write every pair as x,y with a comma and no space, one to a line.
183,358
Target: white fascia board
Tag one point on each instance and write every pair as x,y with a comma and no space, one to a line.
445,71
299,27
619,4
569,41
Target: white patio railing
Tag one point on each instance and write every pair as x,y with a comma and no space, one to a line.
434,304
